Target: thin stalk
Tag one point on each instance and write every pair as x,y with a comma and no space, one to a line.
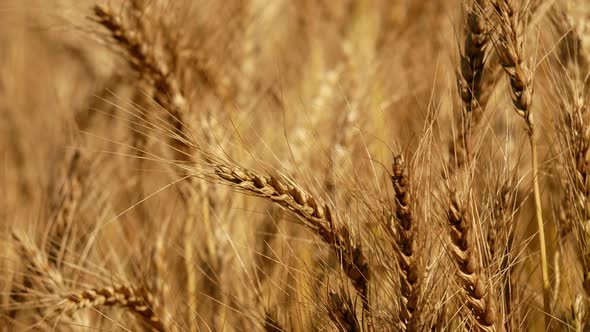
511,55
541,227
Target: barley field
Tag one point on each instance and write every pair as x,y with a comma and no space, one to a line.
294,165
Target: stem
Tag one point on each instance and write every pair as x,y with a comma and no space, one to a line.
541,228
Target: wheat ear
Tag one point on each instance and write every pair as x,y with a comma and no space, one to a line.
472,89
311,214
167,93
341,310
151,68
509,47
405,231
479,300
136,300
142,58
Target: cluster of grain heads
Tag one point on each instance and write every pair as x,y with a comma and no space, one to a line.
423,258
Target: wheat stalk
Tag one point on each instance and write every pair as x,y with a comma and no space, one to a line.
510,52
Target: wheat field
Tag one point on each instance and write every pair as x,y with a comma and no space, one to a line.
294,165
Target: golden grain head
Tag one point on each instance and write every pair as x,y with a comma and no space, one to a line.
294,165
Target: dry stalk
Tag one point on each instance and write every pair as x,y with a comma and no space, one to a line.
478,297
310,214
510,51
137,300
